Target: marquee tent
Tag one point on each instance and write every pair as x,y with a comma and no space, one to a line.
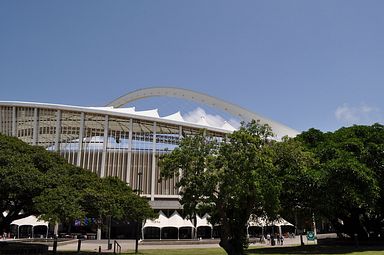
203,221
30,221
175,221
264,222
178,222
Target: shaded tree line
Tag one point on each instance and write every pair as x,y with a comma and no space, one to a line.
336,175
348,178
34,181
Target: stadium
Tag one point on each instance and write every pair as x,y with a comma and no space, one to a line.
114,140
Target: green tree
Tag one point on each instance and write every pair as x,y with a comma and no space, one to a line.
61,200
229,180
295,170
22,170
34,181
349,170
112,197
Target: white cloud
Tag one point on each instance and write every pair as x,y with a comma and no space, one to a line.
199,115
362,114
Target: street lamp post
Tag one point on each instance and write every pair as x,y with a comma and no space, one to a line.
138,225
314,226
109,232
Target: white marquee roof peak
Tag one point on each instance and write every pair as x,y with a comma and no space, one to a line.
176,116
154,113
228,126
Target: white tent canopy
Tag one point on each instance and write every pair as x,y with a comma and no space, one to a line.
179,222
161,222
257,222
176,221
203,221
262,222
30,221
281,222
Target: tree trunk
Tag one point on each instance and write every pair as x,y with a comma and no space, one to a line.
69,229
230,248
5,225
4,228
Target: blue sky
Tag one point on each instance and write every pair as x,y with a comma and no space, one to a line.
303,63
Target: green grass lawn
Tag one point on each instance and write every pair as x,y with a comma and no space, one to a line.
310,249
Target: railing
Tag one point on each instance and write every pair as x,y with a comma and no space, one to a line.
116,246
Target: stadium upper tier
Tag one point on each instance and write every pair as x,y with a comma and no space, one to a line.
130,112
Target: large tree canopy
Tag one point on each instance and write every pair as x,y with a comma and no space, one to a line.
349,190
338,175
112,197
295,171
34,181
22,178
229,180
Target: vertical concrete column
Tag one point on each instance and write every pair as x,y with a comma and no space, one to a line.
153,176
129,161
14,127
58,130
98,233
105,143
56,229
81,136
180,132
180,170
1,120
35,126
57,148
103,161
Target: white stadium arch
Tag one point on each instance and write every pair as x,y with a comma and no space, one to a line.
279,129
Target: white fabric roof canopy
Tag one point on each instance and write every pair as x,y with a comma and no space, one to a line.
262,222
163,221
177,221
30,221
154,113
203,221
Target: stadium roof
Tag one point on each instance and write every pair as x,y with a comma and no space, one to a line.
115,108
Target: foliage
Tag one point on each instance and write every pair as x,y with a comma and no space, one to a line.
61,199
229,180
34,181
21,179
111,196
295,170
350,177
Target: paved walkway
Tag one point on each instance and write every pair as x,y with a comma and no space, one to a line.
129,245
